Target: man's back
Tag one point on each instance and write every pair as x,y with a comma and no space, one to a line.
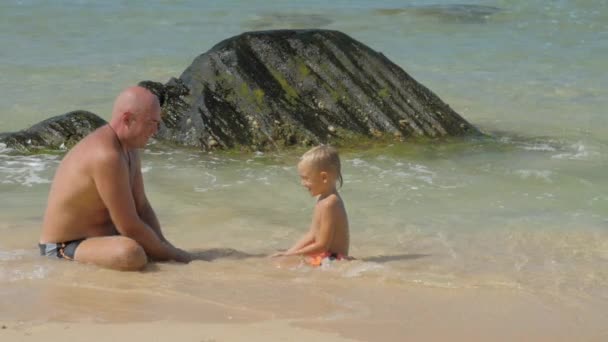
75,209
97,210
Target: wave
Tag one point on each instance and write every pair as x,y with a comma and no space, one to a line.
27,170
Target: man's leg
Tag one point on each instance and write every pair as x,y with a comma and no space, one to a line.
115,252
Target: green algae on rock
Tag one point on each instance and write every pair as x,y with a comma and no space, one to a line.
57,133
271,89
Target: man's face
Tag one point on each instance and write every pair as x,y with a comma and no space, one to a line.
145,125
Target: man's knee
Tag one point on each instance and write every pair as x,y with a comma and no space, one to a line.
130,256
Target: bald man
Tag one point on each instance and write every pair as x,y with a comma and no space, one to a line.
97,209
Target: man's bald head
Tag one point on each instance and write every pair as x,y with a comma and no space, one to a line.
135,100
135,117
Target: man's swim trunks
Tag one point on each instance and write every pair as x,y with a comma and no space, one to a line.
322,258
62,250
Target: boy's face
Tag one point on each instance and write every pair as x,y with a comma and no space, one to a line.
312,179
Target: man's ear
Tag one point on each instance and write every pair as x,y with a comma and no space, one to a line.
126,118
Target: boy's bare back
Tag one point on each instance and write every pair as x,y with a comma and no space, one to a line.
328,236
330,220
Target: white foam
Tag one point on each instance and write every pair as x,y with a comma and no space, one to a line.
12,255
436,283
581,152
423,173
421,169
159,153
505,140
33,178
38,272
358,162
539,147
426,179
211,183
26,170
10,273
401,174
544,175
212,178
361,268
4,148
213,187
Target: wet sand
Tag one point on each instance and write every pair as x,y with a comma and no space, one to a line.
162,331
241,295
245,309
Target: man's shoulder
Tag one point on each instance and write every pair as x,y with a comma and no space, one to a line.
97,147
92,139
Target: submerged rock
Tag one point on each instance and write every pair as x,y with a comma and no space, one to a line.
287,20
56,133
462,13
271,89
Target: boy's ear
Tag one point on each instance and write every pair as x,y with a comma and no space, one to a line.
324,176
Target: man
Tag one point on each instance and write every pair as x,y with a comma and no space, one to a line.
97,209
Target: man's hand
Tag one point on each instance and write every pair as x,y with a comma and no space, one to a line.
180,255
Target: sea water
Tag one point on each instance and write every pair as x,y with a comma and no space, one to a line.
525,208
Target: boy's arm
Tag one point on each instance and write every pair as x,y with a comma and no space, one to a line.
305,240
321,241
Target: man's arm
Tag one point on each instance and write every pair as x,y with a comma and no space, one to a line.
111,176
144,209
147,214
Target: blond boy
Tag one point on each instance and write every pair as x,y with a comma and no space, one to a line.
328,236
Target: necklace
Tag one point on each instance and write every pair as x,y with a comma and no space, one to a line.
127,157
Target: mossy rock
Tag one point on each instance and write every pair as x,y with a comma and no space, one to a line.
53,135
284,88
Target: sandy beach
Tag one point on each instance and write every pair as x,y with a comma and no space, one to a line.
350,310
502,238
162,331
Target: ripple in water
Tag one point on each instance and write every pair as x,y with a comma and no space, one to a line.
579,152
26,170
13,275
14,267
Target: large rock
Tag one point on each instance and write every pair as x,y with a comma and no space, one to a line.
271,89
57,133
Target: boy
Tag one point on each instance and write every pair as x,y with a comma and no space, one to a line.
328,237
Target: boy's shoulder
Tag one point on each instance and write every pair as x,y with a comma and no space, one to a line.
329,201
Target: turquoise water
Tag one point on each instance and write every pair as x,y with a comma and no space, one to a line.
526,208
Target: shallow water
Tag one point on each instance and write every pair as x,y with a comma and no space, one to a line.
525,209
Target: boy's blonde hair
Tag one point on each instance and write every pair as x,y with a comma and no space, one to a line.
324,158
